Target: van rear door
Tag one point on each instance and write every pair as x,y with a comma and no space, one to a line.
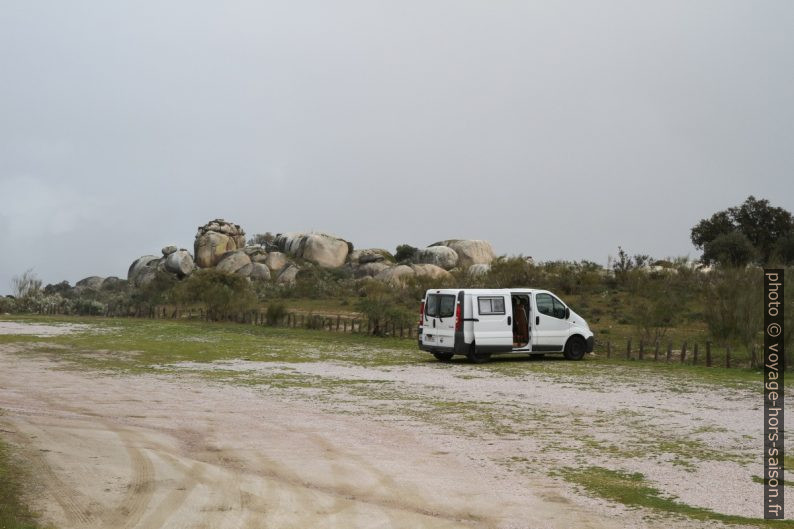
438,328
493,322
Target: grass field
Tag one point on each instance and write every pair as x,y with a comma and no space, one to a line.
147,344
13,513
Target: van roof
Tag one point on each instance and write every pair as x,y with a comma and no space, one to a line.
483,290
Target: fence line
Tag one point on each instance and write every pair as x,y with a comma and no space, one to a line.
344,324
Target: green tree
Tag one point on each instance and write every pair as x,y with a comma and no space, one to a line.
762,224
784,249
731,249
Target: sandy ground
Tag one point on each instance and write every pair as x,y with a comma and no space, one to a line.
175,451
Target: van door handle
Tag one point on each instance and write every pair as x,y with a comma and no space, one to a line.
509,320
537,320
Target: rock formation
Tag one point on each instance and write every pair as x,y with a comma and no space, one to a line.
431,271
370,269
179,262
287,276
470,252
396,275
321,249
370,255
235,262
215,239
221,245
91,283
276,261
441,256
142,270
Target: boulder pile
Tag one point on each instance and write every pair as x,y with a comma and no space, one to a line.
221,245
216,238
322,249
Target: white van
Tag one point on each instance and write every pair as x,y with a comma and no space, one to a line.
480,322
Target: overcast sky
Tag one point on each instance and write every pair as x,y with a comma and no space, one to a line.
553,129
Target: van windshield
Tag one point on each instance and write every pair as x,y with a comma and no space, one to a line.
440,306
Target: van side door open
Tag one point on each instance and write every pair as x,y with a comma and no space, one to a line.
492,322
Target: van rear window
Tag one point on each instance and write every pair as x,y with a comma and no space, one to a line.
440,306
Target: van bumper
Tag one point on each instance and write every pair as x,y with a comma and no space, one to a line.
590,344
436,349
458,348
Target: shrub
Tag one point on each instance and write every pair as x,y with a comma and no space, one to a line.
405,252
275,313
224,295
27,284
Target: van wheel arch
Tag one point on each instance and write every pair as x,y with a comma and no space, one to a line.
575,347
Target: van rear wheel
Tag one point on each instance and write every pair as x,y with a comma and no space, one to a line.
575,348
477,358
443,357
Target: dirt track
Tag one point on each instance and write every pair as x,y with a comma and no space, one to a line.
148,452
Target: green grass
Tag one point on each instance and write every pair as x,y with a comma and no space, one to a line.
633,490
131,344
13,513
141,344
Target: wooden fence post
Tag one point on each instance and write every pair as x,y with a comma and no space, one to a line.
708,354
337,322
695,355
683,352
628,349
728,356
669,351
642,349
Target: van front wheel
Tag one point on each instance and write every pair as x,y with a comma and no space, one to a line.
575,348
477,358
443,357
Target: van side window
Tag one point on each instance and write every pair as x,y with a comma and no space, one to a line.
431,305
495,305
559,308
545,304
550,306
446,308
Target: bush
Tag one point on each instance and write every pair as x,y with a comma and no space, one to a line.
225,295
87,307
27,284
275,313
405,252
381,305
314,282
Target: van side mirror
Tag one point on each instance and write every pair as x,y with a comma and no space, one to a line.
567,313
